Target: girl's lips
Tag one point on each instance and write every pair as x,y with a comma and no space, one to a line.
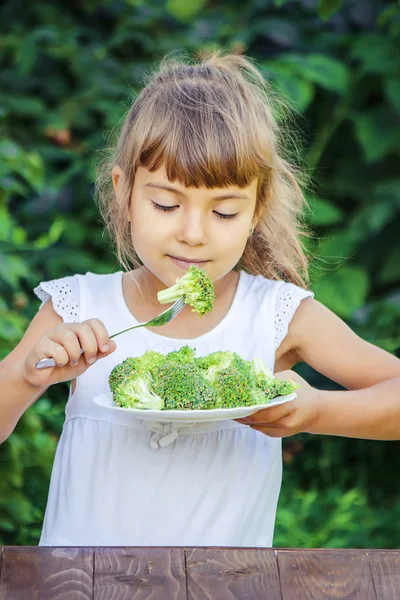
186,263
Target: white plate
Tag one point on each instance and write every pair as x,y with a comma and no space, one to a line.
215,414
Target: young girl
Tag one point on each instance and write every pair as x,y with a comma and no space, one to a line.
197,176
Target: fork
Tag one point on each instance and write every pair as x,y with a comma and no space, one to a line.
161,319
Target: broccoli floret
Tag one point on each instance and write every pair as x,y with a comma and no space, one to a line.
135,391
183,387
149,361
269,385
120,371
183,355
196,289
131,381
232,378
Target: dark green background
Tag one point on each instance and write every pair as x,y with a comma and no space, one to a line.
68,73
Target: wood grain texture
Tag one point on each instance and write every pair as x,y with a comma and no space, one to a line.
30,573
240,573
385,570
139,574
322,574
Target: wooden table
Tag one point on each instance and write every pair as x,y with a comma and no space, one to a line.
30,573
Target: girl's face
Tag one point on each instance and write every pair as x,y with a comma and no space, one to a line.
171,222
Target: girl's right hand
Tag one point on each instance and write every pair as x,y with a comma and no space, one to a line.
64,343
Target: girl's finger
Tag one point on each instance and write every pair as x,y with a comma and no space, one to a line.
69,340
52,349
88,342
103,340
272,414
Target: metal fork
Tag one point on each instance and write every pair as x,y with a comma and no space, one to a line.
161,319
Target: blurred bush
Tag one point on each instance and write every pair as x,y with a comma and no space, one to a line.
67,77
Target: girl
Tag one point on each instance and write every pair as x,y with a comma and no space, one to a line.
197,177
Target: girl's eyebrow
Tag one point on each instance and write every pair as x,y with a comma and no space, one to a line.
168,188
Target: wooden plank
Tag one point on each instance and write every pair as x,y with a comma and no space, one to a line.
30,573
321,574
139,573
240,573
385,569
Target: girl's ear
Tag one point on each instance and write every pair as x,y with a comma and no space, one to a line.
118,181
116,175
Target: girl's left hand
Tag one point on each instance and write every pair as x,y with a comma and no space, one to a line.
292,417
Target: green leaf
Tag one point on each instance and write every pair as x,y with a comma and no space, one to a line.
12,325
325,71
390,273
12,269
373,218
54,234
377,53
183,10
327,8
392,90
323,212
6,224
376,133
297,91
344,290
338,247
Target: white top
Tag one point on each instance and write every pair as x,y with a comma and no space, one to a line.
114,484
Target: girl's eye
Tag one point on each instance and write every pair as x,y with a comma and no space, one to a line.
222,216
171,208
162,207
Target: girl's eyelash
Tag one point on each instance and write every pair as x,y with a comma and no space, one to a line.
171,208
221,216
164,208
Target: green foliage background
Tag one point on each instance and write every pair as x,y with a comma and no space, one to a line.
67,76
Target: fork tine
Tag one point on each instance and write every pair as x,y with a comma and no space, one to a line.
178,306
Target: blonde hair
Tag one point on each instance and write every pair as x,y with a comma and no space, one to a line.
213,122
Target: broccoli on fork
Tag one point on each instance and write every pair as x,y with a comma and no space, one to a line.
196,289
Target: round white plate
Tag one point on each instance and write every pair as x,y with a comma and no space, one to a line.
215,414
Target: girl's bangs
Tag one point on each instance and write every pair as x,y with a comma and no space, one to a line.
200,154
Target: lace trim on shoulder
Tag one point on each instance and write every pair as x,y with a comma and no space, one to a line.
64,294
288,299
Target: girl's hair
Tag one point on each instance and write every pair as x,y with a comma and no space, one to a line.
213,122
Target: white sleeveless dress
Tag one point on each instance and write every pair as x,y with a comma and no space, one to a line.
113,484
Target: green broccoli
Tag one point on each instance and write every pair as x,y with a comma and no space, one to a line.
183,355
183,386
136,392
196,289
131,382
232,378
120,371
181,381
269,385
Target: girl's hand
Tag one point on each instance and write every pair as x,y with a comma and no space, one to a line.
64,343
289,418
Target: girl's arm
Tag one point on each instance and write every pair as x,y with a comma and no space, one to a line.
47,336
370,413
371,406
16,393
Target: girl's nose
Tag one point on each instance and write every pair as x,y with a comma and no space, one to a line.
193,231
